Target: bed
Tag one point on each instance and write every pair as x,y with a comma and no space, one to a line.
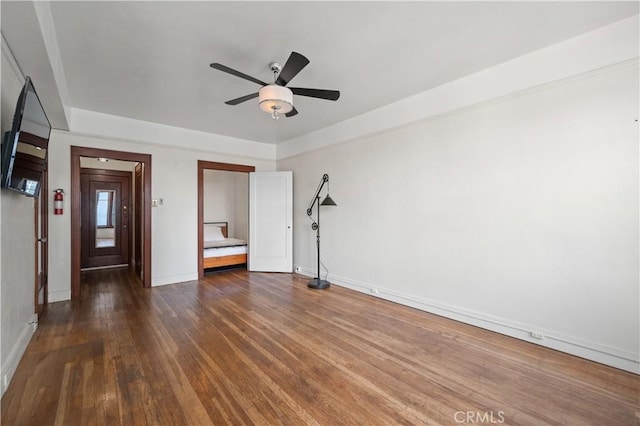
219,250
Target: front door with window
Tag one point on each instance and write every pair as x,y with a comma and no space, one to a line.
105,217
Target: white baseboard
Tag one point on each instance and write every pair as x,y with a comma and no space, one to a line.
593,351
59,296
10,364
173,279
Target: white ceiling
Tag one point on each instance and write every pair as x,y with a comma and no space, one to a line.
150,60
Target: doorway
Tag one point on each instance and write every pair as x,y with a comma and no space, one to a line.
210,165
76,202
105,228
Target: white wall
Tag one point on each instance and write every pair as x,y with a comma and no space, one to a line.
173,225
516,215
612,44
17,258
17,279
241,216
226,196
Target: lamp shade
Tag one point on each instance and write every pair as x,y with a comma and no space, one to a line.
274,98
328,201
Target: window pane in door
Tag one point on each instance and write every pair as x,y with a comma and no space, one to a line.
102,208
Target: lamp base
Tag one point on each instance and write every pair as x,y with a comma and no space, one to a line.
318,284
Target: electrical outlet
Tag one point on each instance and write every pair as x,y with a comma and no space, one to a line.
298,269
154,203
537,335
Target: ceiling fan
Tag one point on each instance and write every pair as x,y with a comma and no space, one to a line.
275,98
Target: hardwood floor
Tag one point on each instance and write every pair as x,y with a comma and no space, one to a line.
249,348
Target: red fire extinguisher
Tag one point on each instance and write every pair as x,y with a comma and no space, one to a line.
58,200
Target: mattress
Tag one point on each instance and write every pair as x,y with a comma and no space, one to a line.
227,242
225,251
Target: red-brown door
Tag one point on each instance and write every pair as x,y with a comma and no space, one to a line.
105,217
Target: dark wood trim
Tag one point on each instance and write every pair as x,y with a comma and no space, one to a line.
145,159
36,219
138,219
110,211
104,172
44,203
41,245
211,165
76,235
146,212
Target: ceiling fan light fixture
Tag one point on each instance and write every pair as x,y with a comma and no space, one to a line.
275,100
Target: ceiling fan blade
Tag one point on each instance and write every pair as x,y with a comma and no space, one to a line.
241,99
291,113
294,65
331,95
231,71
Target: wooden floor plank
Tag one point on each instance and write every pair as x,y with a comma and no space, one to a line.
251,348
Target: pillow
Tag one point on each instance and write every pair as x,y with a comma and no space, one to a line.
212,233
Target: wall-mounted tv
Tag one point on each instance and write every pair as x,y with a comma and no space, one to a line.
24,147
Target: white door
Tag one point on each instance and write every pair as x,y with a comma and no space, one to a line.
270,222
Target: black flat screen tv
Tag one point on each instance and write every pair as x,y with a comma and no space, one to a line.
24,147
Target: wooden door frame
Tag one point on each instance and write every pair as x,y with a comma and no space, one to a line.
211,165
138,219
145,159
41,223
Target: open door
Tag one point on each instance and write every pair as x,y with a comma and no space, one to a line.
41,246
270,222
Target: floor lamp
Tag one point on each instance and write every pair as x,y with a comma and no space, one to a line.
317,283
